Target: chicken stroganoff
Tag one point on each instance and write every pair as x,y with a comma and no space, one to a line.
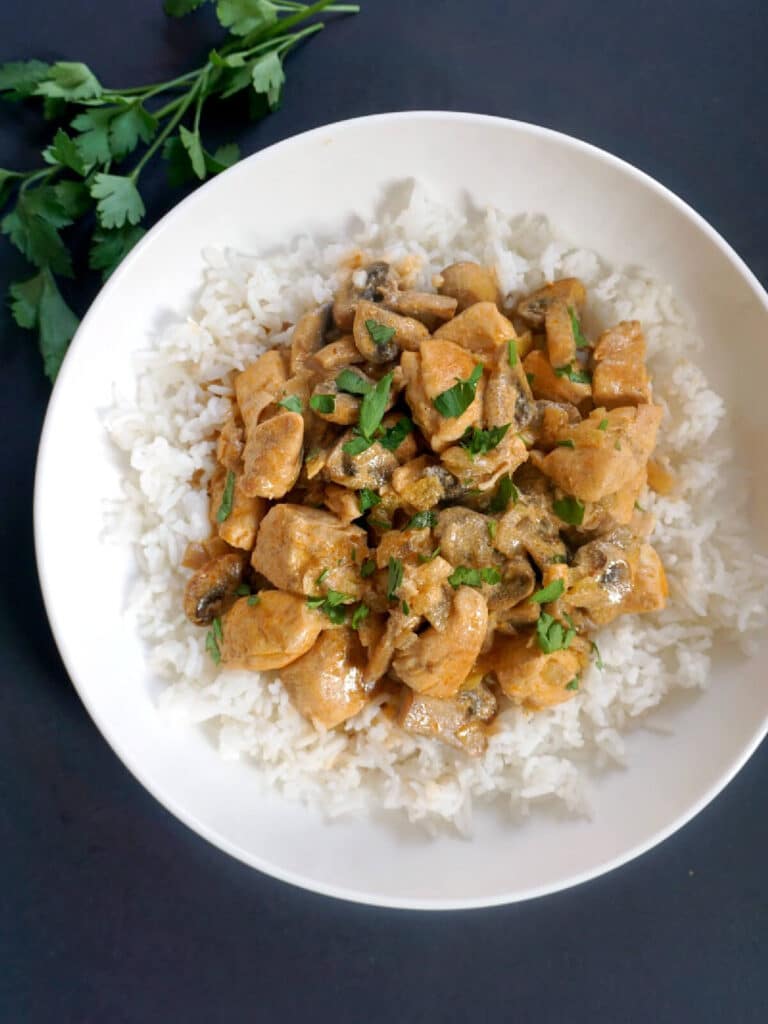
435,496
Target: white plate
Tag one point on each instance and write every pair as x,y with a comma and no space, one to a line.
313,182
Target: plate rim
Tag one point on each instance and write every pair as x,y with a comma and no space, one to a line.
189,819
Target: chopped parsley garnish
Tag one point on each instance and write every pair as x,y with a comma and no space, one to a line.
566,443
505,492
405,608
366,498
373,406
352,383
603,424
291,402
512,352
549,593
422,520
394,577
570,510
323,403
380,333
530,377
212,639
357,444
428,558
492,526
332,605
393,437
225,508
359,614
462,575
254,599
573,685
596,651
552,635
381,523
480,442
639,507
576,375
321,577
457,400
368,568
243,590
617,445
578,334
559,559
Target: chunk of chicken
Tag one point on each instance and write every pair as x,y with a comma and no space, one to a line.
508,397
398,633
272,456
549,419
369,318
481,329
546,384
430,372
614,575
482,472
620,376
308,337
430,309
561,340
405,545
532,678
458,721
326,684
296,545
439,661
381,283
270,634
342,502
415,486
259,386
336,355
240,526
469,283
212,588
424,592
601,462
533,307
229,447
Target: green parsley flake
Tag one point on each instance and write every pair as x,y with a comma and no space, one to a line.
480,442
559,559
225,508
366,498
573,685
243,590
291,402
368,568
596,651
505,492
212,646
405,608
457,400
394,577
549,593
357,444
373,406
578,376
359,614
422,520
393,437
512,352
570,510
321,577
530,377
332,605
428,558
566,443
551,634
603,424
254,599
380,333
578,334
462,575
323,403
352,383
492,526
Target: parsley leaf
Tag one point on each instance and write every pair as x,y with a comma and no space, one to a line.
242,17
428,558
64,151
551,634
505,491
598,659
225,508
366,498
457,399
512,352
268,76
212,639
492,526
291,402
253,600
109,248
581,341
480,442
393,437
394,577
359,615
567,443
130,125
405,607
332,605
38,303
118,200
357,444
577,376
322,403
69,80
559,560
573,685
33,226
20,78
373,406
93,140
603,424
178,8
368,568
243,590
422,520
570,510
462,575
549,593
380,333
352,383
193,145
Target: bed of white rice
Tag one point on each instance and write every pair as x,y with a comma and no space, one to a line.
166,429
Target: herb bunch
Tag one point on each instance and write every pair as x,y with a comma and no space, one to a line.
104,138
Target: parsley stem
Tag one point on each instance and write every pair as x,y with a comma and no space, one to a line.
30,177
184,105
150,90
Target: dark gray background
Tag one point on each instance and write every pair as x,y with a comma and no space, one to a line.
111,910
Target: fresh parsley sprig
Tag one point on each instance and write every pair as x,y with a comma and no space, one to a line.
92,166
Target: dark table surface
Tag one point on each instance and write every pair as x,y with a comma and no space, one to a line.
113,911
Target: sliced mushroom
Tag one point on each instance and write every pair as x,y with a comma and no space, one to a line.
259,386
371,330
464,539
458,721
533,307
481,329
469,283
561,339
371,468
308,336
380,285
427,307
212,587
336,355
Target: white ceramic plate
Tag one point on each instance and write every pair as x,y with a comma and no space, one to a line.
313,182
